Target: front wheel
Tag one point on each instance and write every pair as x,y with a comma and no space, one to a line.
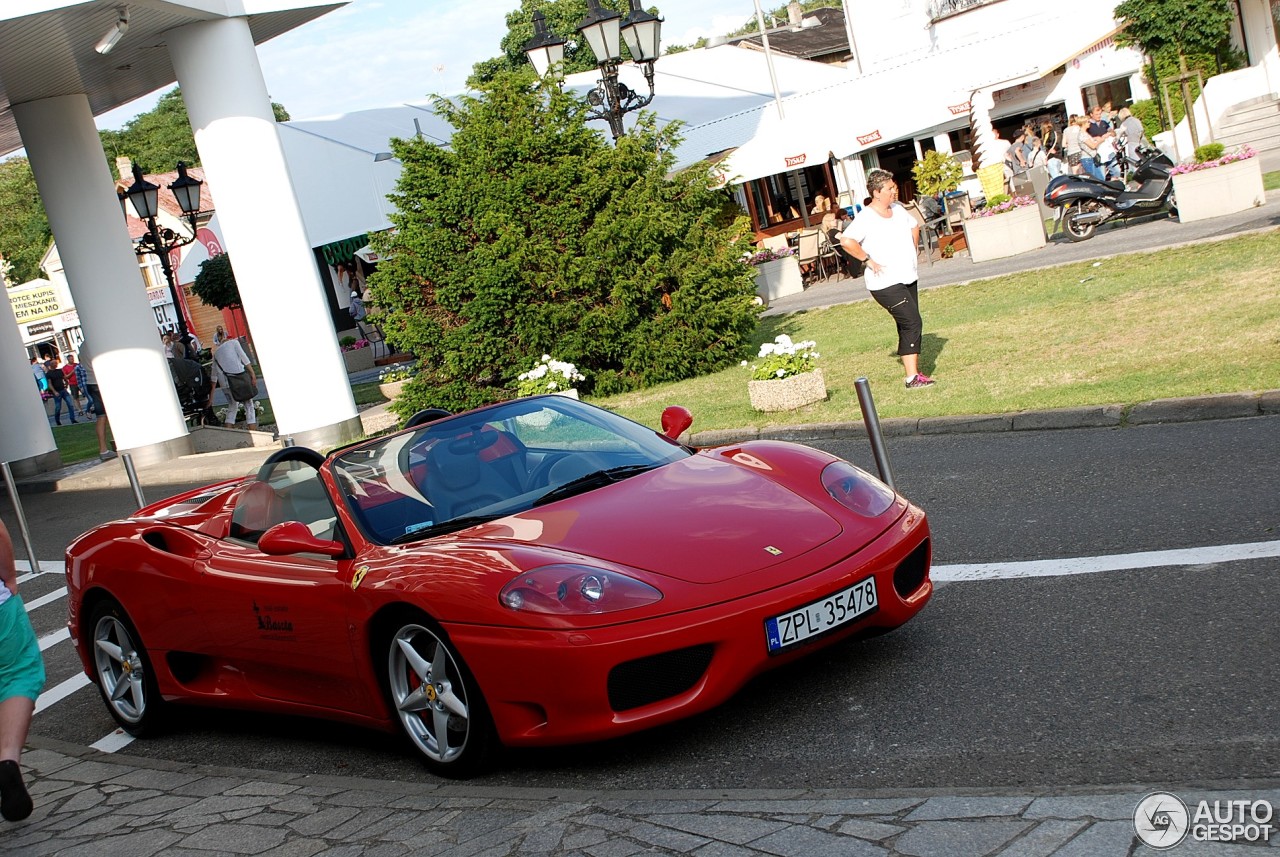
437,701
1077,231
125,678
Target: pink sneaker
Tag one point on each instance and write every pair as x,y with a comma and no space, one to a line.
919,381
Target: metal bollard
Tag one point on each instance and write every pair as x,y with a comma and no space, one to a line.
287,442
22,518
872,421
133,479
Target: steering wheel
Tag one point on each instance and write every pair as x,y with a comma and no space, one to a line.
289,453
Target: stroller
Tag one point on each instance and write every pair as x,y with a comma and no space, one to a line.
193,384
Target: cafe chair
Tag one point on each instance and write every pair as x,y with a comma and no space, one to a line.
828,254
809,256
928,228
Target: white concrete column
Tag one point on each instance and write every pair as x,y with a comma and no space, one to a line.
26,441
79,196
275,268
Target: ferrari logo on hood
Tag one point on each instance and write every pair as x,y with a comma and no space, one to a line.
771,549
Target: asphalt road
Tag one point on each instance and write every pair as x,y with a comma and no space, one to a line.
1152,675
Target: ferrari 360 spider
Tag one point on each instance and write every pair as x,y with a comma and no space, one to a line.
535,572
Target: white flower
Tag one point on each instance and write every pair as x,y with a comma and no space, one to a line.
743,364
781,373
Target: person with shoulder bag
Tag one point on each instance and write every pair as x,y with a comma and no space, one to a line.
234,373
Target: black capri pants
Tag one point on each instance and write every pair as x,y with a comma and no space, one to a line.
903,303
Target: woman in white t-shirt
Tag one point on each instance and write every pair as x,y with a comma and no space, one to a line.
884,237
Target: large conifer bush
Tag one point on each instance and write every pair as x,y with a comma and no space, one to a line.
531,234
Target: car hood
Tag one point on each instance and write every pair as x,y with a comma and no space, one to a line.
701,520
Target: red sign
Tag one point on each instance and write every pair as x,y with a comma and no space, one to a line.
795,160
958,109
869,138
211,242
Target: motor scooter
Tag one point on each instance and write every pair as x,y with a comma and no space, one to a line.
1083,202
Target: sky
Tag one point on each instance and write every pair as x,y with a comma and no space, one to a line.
375,53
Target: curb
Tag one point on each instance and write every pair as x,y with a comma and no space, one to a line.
1179,410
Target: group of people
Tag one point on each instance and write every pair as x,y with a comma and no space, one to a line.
63,384
1101,143
230,369
66,383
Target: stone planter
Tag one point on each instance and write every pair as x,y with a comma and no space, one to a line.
1219,190
1008,234
778,278
787,394
358,359
571,393
391,389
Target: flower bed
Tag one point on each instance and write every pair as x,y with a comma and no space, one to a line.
357,358
1005,229
785,376
549,376
777,273
1222,186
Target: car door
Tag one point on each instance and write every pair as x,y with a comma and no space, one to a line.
283,622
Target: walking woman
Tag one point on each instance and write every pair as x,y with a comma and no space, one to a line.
884,238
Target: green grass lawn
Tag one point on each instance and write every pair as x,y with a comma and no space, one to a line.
1182,322
1271,181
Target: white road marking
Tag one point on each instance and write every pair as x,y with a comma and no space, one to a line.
1096,564
117,740
47,566
61,691
48,641
53,596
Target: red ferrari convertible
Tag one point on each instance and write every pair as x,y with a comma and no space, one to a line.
535,572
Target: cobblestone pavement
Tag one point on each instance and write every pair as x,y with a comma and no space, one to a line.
93,804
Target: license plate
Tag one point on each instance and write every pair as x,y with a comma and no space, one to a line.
800,624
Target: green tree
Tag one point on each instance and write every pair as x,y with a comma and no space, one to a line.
24,228
531,234
563,18
1175,29
158,139
215,283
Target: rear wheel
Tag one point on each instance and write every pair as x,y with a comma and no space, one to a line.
437,701
1077,231
125,678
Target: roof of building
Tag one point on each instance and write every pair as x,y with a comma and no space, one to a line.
48,47
821,35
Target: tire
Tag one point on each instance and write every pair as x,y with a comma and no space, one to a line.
1080,231
437,701
123,671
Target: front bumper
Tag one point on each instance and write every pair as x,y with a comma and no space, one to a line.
554,687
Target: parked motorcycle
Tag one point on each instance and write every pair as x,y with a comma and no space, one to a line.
1084,202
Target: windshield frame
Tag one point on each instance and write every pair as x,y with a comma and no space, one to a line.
522,449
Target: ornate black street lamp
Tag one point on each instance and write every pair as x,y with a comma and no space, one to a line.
602,28
160,241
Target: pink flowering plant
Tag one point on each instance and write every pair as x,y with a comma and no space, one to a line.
354,345
1001,206
768,254
1241,154
783,358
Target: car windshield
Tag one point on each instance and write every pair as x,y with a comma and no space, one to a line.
491,463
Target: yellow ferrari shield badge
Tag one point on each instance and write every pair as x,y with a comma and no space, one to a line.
359,576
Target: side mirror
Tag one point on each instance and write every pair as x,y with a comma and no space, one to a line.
675,421
293,537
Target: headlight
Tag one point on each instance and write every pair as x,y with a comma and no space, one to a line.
576,589
856,489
